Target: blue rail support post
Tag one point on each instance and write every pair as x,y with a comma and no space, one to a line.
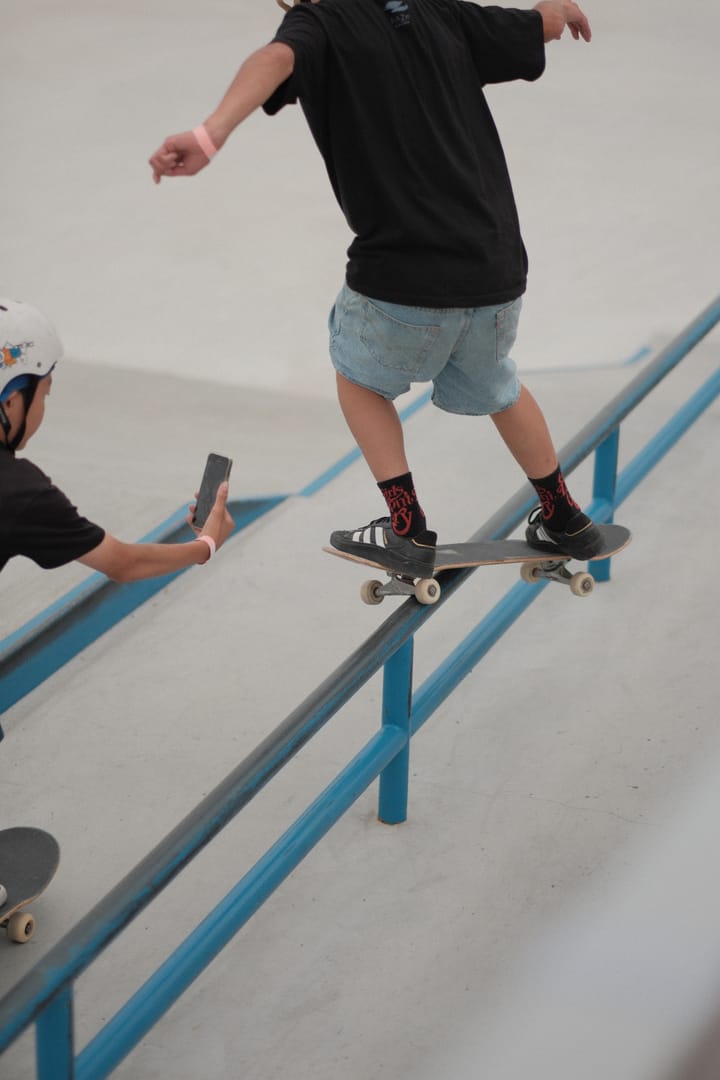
54,1039
604,484
397,705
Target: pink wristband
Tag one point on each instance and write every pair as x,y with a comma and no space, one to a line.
210,543
205,142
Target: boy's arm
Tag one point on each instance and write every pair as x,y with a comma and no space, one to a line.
258,78
134,562
557,14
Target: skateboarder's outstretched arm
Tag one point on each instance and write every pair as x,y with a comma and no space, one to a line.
258,78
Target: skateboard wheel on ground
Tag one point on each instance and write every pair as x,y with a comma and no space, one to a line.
582,584
427,591
530,573
3,895
370,592
21,927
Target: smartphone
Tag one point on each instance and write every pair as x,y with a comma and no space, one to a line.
217,469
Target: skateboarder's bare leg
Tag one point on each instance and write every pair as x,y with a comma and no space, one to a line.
526,435
374,422
560,521
376,428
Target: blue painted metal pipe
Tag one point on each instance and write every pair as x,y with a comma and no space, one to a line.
397,702
54,1039
604,485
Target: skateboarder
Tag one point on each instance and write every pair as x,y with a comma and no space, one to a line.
392,92
36,518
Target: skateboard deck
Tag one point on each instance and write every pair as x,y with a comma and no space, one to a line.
536,565
28,861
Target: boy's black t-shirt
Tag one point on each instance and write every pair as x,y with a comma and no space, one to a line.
392,92
37,520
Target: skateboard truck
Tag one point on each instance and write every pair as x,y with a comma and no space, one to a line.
425,590
581,583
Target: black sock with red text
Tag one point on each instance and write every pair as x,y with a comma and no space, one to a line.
406,513
558,505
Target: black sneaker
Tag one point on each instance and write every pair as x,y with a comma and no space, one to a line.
581,538
413,556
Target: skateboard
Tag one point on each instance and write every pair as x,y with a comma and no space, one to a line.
28,861
536,566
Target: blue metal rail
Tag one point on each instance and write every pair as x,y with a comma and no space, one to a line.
45,995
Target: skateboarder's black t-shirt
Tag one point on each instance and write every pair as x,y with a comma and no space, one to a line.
37,520
392,92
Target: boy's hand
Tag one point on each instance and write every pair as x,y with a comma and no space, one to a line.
557,14
179,155
219,524
577,22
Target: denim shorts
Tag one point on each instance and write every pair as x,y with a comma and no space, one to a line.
464,352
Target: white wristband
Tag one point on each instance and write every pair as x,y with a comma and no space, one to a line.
212,547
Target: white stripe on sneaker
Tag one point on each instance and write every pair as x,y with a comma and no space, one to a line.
373,535
542,535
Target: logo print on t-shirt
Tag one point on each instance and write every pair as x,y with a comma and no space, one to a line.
397,12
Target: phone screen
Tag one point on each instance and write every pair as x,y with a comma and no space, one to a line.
217,469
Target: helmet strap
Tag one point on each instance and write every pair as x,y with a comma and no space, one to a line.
28,393
5,424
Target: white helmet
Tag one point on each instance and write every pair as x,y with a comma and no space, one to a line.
29,346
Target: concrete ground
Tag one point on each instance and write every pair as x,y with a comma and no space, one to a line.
193,320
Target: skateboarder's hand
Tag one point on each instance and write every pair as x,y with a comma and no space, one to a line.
577,22
219,524
179,155
557,14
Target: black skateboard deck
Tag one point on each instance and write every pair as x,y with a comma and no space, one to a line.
497,552
536,565
28,861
